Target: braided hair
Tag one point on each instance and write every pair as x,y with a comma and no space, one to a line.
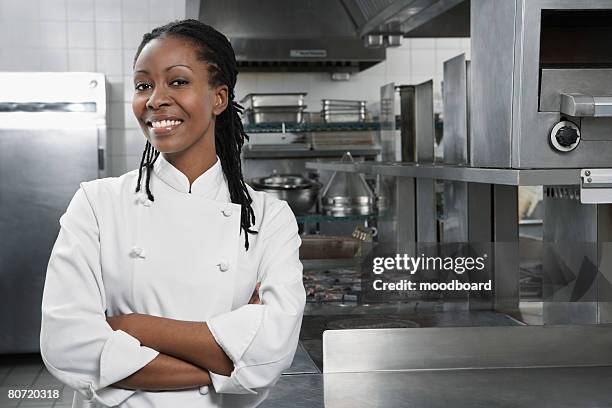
215,49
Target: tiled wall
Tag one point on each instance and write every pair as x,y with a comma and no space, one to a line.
102,35
87,35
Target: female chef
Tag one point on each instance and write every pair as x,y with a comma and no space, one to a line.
149,296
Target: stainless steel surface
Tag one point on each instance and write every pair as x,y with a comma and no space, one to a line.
576,262
343,104
347,193
296,391
257,100
426,211
577,104
420,18
456,206
513,177
388,135
556,81
452,348
274,114
424,122
516,388
417,128
455,139
43,158
339,110
299,192
596,186
480,230
508,129
337,116
405,215
277,35
302,363
505,249
492,53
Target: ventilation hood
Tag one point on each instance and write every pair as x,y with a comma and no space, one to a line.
288,35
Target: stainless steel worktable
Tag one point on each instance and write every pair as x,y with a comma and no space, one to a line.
582,387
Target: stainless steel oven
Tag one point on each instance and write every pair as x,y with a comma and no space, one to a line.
541,83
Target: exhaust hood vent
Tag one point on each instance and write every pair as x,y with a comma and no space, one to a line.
288,35
411,18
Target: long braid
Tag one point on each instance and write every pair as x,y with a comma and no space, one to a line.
214,48
149,156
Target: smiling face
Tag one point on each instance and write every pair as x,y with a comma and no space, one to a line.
174,103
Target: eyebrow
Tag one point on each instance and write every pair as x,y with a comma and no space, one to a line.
144,71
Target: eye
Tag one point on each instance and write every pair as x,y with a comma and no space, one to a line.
141,86
179,82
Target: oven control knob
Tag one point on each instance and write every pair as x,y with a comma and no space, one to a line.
565,136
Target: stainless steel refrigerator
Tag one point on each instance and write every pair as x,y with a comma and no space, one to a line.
52,137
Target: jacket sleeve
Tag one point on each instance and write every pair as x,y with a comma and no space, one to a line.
261,339
77,345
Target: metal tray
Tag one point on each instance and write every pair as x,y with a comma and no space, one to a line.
272,114
254,100
343,103
343,117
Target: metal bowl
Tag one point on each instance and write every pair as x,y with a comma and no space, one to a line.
299,192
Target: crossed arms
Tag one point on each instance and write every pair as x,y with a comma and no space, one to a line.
187,350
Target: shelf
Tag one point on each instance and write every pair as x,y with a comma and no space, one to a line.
513,177
312,218
277,153
310,127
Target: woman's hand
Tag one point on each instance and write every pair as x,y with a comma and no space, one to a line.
255,296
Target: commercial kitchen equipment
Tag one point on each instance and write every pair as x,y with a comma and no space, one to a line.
279,35
299,192
347,193
541,84
341,110
274,107
52,137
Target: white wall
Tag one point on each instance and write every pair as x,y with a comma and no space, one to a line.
102,36
87,35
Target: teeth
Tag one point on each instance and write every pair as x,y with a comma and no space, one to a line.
165,123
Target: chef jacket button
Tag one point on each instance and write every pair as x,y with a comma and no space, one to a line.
204,390
138,252
227,212
223,266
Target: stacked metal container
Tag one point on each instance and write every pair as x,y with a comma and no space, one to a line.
339,110
274,107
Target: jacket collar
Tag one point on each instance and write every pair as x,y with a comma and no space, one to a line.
210,184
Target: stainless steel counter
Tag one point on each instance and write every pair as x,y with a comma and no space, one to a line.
302,363
513,177
517,387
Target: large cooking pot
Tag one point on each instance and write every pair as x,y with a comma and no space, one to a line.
299,192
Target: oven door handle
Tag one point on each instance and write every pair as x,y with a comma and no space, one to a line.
581,105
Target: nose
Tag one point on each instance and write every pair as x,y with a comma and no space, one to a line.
159,97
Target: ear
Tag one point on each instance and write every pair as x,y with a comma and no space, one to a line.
221,100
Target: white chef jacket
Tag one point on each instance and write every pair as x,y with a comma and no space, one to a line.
181,257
